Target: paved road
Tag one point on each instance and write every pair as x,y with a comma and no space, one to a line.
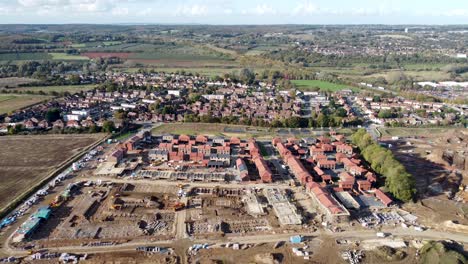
269,238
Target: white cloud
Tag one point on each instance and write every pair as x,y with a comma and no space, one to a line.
264,9
191,10
89,6
260,10
39,3
120,11
4,10
363,12
145,12
456,12
306,8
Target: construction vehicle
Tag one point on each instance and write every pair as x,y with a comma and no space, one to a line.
175,206
178,206
116,207
59,199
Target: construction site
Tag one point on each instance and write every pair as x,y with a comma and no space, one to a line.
103,213
180,198
216,211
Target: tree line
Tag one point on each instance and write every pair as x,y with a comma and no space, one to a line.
398,181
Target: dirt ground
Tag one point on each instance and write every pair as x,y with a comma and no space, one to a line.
435,160
438,176
250,255
130,257
25,160
434,211
371,257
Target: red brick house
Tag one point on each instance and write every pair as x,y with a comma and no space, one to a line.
201,139
345,149
326,164
364,185
383,197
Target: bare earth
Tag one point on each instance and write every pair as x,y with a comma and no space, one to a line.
25,160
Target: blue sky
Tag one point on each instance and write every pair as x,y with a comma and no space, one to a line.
236,11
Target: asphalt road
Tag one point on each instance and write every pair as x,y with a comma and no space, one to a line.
268,238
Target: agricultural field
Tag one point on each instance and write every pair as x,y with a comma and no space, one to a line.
144,51
207,71
417,75
15,81
362,71
59,89
12,102
78,45
261,49
306,85
67,57
24,56
93,55
27,160
95,44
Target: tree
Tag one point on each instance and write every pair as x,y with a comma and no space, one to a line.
398,181
12,130
385,113
120,114
322,120
341,112
75,79
108,126
276,123
52,115
246,76
93,129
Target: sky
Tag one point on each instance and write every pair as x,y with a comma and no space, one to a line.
234,11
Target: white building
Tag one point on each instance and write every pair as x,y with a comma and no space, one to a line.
174,92
214,96
128,106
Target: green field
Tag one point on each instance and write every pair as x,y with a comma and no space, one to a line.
78,45
65,56
305,85
212,130
173,56
227,130
15,81
12,102
95,44
190,128
24,56
111,43
63,88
